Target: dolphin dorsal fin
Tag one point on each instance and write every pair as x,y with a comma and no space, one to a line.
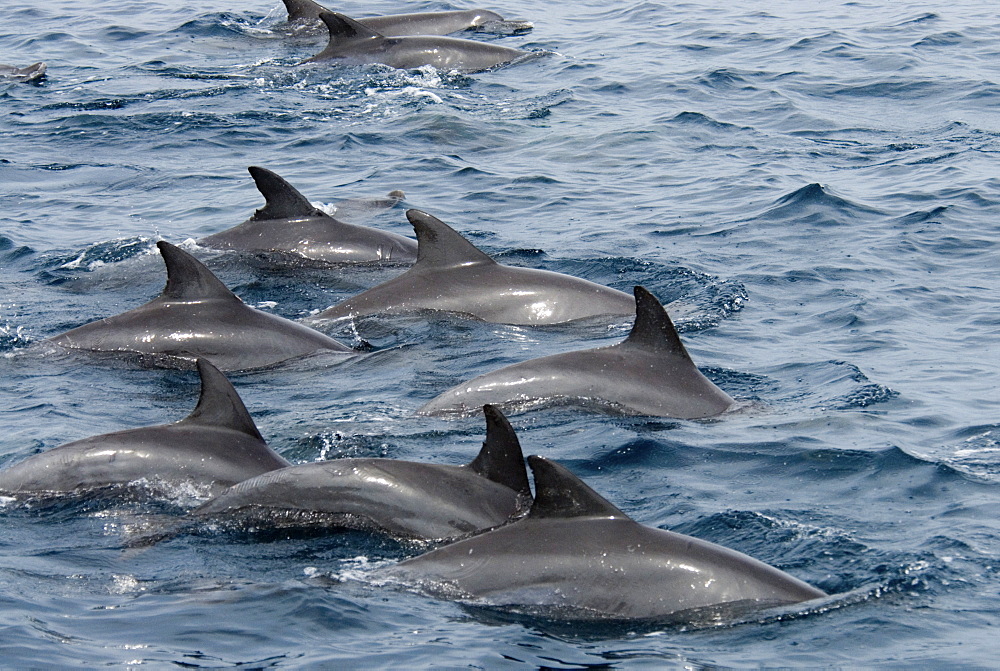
188,279
219,404
501,459
283,200
439,245
345,29
559,493
653,328
300,10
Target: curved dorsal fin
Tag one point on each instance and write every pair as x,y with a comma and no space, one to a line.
559,493
219,404
439,245
652,328
283,200
501,459
344,28
188,279
301,10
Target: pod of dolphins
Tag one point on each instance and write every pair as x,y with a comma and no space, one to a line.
563,552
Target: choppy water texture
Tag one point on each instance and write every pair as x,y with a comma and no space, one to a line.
817,187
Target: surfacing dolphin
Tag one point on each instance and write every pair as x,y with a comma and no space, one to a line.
577,556
648,373
423,23
289,224
214,447
354,43
28,74
452,275
403,499
197,316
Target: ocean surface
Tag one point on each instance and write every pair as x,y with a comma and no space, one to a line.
814,186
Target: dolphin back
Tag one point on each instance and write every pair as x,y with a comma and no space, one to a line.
217,445
197,316
576,556
30,73
421,23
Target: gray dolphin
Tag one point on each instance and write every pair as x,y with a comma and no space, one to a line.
214,447
30,73
648,373
575,555
197,316
355,43
289,224
452,275
423,23
403,499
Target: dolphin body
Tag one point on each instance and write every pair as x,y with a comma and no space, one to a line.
214,447
197,316
403,499
452,275
424,23
28,74
577,556
648,373
355,43
289,224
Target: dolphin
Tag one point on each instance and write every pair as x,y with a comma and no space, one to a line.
30,73
402,499
289,224
355,43
648,373
197,316
424,23
214,447
355,210
577,556
452,275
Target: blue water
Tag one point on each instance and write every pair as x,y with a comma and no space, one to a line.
815,185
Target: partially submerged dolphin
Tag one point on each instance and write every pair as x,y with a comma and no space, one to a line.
648,373
355,43
214,447
423,23
577,556
403,499
289,224
452,275
197,316
30,73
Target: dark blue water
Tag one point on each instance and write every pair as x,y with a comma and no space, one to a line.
816,186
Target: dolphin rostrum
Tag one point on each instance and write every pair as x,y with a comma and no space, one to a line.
403,499
577,556
648,373
197,316
423,23
452,275
355,43
30,73
214,447
289,224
